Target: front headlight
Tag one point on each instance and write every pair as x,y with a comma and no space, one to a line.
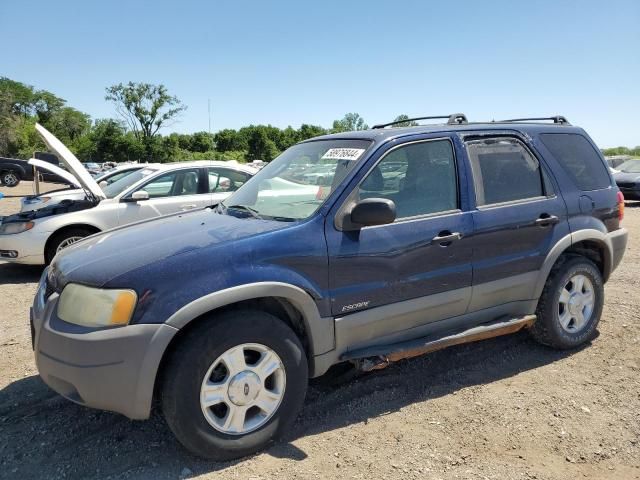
96,307
15,227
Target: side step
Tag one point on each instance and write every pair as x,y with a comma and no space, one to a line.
379,357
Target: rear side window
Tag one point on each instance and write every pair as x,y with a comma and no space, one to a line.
503,171
579,159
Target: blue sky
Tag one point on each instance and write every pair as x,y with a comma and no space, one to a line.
293,62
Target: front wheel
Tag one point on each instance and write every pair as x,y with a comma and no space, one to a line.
234,383
64,239
9,179
571,304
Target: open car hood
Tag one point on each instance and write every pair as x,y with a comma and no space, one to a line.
42,165
71,162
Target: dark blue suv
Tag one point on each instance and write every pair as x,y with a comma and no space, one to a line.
362,247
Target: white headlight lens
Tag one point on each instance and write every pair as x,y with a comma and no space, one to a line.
96,307
15,227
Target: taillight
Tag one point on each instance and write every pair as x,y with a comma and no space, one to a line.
620,206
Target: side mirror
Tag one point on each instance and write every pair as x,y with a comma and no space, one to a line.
103,184
373,211
137,196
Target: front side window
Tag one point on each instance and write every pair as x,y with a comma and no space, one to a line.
503,171
294,185
181,182
420,178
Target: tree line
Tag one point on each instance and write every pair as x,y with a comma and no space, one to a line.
143,111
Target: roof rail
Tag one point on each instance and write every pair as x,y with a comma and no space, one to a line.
559,119
453,119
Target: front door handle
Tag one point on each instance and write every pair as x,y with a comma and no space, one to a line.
545,220
189,206
445,238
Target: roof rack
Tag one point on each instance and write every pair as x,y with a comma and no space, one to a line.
559,119
453,119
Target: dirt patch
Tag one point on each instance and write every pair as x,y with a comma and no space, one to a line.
500,409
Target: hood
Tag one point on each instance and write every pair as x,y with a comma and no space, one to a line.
626,177
41,164
71,162
102,257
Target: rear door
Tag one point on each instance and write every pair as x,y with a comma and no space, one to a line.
417,270
519,216
170,192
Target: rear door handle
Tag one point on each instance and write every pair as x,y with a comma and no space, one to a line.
545,219
446,238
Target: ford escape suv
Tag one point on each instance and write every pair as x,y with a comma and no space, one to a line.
418,238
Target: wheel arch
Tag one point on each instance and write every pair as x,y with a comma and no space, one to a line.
590,243
86,226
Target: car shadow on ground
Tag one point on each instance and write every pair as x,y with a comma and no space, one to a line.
13,273
46,436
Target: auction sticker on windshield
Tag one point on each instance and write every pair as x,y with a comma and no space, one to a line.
343,154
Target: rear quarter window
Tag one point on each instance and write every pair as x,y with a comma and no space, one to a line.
579,159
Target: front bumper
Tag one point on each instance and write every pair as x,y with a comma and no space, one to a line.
110,369
28,247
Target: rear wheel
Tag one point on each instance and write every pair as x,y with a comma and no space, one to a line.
571,304
233,384
9,179
64,239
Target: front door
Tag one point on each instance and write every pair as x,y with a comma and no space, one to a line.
172,192
386,280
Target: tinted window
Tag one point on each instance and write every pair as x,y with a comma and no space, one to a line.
579,159
503,171
420,178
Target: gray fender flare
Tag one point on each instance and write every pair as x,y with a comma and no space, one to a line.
566,242
319,330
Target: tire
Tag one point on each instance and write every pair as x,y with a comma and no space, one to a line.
191,364
9,178
58,240
553,309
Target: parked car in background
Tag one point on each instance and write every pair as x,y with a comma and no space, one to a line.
34,237
221,315
93,168
12,171
627,178
34,202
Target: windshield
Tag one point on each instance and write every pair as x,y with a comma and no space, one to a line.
119,186
630,166
294,185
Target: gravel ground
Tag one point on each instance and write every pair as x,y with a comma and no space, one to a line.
505,408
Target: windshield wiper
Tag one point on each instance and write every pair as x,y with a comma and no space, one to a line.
253,212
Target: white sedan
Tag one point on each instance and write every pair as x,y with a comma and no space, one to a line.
34,237
34,202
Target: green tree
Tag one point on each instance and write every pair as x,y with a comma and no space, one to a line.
201,142
349,123
68,124
261,147
405,122
145,108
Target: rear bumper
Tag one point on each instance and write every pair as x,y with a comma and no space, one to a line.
111,369
618,241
